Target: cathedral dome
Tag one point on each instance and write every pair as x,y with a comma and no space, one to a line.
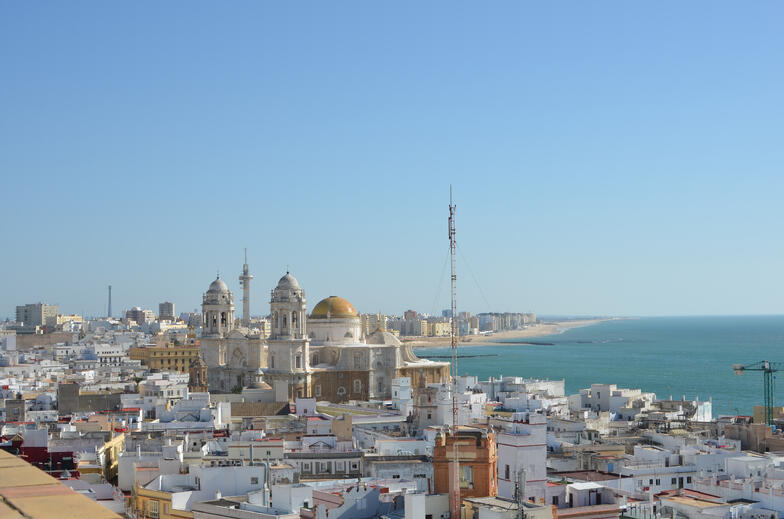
333,307
218,286
288,281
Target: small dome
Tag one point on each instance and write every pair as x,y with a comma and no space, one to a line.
333,307
288,281
218,286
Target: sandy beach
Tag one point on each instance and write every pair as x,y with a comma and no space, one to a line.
538,330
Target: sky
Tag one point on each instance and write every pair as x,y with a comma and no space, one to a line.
607,158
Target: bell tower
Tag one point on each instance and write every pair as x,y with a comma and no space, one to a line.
288,345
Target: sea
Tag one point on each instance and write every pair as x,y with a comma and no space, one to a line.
669,356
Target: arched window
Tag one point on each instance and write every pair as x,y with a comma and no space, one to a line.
284,321
272,361
223,318
214,320
275,319
294,320
314,360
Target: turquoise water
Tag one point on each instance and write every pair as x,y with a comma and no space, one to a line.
676,356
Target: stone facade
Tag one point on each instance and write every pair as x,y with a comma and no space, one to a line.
288,346
233,355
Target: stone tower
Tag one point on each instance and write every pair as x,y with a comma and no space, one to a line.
218,309
288,345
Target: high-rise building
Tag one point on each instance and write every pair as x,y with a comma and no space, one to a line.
139,316
35,314
166,311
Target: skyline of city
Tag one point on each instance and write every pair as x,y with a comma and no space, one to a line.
402,260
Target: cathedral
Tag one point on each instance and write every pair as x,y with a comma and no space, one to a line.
234,354
324,355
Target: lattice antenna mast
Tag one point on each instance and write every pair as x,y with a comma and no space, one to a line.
454,498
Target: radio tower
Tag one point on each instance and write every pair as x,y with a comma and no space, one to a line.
245,282
110,300
454,490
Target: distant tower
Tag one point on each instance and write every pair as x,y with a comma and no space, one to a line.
110,300
245,282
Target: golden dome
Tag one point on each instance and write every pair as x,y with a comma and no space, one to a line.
333,307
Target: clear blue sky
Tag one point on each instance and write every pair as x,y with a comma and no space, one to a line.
607,157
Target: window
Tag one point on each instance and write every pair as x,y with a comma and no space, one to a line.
318,390
357,361
555,500
272,361
254,481
429,415
298,361
293,319
673,481
466,476
688,479
650,481
154,514
341,391
306,467
658,481
506,472
357,386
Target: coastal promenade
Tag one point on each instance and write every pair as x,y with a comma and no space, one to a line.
537,330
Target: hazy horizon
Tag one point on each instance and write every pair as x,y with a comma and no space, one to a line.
607,159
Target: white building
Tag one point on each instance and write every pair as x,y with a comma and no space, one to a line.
522,445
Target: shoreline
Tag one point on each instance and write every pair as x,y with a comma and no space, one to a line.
538,330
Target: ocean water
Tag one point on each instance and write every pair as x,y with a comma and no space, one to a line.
670,356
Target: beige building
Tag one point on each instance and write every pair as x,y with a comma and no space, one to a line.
169,357
36,314
56,322
439,329
139,316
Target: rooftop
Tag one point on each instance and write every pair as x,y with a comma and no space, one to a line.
27,490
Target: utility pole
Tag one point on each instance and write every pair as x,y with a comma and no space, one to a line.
454,497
